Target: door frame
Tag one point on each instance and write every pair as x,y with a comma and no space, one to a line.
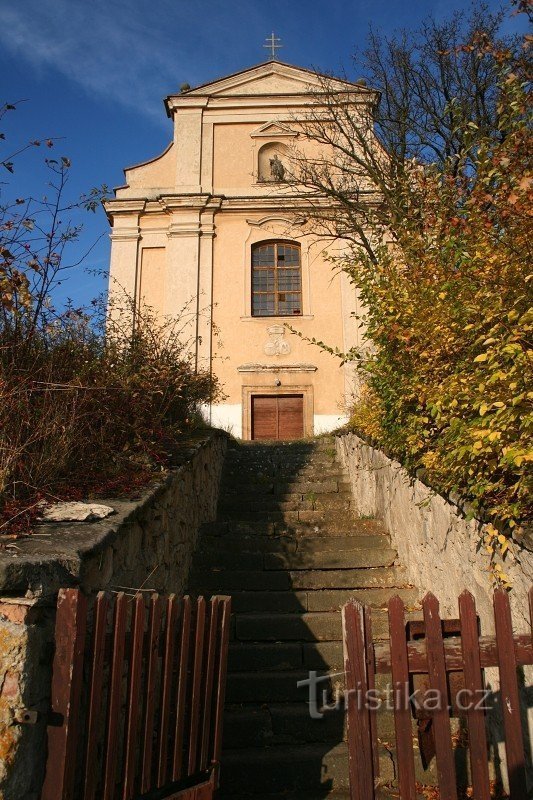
249,391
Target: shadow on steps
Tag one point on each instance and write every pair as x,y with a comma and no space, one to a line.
288,548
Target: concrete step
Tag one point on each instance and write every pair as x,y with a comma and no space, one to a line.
227,560
284,723
293,502
323,656
265,657
389,792
339,794
288,627
323,483
334,482
305,768
206,580
263,471
309,559
291,723
366,578
320,600
311,626
314,771
230,581
246,543
331,525
256,528
333,519
273,655
334,599
276,656
273,687
286,467
283,452
324,442
282,687
262,602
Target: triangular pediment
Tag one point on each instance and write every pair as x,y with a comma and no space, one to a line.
273,130
273,77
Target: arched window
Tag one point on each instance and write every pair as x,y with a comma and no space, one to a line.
276,280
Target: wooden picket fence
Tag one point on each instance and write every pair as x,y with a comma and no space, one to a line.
439,658
137,705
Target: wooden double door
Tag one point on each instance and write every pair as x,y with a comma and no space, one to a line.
278,416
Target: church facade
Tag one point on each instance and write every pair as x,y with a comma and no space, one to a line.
213,225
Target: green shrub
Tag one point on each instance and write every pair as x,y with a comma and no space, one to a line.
449,312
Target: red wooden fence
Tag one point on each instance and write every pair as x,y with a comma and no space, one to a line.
435,656
137,705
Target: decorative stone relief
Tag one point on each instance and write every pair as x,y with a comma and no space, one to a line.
276,345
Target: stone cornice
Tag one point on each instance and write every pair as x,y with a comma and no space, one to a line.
255,102
124,206
167,203
170,202
125,234
282,101
277,368
244,88
282,204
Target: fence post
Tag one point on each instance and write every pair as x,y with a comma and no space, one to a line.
510,700
402,710
360,758
473,676
71,621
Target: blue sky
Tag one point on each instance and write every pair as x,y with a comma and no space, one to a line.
95,72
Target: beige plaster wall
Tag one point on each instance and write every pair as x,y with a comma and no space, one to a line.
233,166
243,337
236,145
152,278
158,173
203,203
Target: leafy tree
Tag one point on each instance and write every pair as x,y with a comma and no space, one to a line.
435,214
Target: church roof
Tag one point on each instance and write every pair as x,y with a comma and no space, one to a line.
272,78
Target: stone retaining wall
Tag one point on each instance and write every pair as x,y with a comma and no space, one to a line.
435,543
439,549
148,542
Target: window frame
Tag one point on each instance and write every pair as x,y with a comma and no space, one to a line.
276,268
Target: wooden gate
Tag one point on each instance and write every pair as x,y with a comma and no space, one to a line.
435,656
137,705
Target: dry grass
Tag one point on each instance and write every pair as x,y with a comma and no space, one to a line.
81,411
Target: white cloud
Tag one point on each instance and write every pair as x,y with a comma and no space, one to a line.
130,51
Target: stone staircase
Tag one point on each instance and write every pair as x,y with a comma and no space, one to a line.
290,550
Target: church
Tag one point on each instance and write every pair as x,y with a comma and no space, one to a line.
214,226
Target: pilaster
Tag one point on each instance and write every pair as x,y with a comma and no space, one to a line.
125,237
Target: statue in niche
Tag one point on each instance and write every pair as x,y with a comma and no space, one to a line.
277,170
